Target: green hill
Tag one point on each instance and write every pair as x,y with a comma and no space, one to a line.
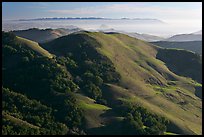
118,82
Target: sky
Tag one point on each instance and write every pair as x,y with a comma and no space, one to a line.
175,13
163,11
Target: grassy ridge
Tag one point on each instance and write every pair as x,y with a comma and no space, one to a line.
35,46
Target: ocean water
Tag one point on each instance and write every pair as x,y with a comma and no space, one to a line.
148,27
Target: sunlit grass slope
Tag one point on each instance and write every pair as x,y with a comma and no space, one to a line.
34,46
142,74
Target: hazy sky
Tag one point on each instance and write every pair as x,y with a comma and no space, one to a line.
187,14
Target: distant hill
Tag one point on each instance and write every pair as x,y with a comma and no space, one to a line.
97,18
195,46
198,32
186,37
44,35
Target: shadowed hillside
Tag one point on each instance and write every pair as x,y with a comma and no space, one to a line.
195,46
182,62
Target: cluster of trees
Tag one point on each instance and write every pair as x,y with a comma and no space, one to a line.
9,128
89,69
31,111
90,75
42,79
140,121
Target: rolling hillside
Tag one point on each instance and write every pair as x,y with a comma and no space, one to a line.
108,81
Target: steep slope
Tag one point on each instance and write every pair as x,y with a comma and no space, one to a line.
145,80
195,46
43,35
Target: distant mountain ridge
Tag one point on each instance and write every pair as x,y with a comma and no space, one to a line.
95,18
196,36
198,32
88,18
